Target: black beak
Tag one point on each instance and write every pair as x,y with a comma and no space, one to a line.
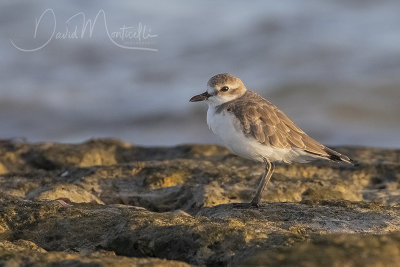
200,97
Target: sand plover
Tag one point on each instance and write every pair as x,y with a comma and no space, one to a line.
253,128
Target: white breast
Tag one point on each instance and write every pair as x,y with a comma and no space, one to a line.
228,128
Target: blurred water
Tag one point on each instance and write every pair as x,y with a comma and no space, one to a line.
332,66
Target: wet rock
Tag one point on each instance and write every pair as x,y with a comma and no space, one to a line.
123,202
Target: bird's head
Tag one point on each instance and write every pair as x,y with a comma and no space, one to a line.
221,88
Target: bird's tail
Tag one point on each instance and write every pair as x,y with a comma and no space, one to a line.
336,156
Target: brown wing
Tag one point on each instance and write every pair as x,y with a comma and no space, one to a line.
264,122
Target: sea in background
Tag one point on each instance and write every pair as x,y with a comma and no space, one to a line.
332,66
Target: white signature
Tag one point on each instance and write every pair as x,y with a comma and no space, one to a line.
140,35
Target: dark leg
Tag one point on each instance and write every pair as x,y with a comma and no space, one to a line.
269,169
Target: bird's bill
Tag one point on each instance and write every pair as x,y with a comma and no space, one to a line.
200,97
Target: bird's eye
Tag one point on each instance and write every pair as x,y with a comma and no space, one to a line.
225,88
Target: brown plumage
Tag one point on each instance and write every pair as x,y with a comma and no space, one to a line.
263,121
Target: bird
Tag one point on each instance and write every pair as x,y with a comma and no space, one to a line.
253,128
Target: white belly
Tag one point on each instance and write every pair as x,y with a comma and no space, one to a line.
228,128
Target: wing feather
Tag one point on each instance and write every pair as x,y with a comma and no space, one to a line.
261,120
265,123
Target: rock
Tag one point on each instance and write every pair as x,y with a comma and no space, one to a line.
26,253
3,169
335,250
64,191
177,204
215,235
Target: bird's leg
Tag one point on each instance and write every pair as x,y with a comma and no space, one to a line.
269,169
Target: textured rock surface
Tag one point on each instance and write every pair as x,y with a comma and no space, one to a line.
336,250
27,253
108,202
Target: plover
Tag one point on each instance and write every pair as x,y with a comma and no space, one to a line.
253,128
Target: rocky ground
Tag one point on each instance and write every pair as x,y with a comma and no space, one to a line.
108,203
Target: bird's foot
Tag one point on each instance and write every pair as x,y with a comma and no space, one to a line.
254,204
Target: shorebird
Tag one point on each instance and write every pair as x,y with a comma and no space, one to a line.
253,128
